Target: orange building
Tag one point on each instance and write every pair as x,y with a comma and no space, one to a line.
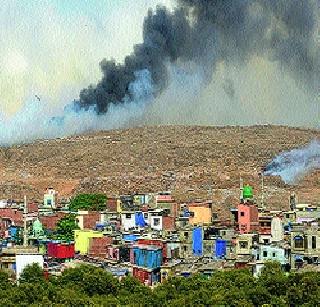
201,213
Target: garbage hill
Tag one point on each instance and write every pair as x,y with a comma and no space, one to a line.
194,162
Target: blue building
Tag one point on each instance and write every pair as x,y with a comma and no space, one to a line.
197,241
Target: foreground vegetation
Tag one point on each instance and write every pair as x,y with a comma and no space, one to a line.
90,286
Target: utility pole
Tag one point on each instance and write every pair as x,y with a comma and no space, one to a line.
262,189
241,189
25,212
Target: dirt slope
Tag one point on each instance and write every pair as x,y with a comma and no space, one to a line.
141,159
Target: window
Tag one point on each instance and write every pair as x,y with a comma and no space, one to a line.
128,215
49,203
287,215
145,215
314,242
241,213
273,255
156,221
265,254
265,241
186,235
298,242
243,244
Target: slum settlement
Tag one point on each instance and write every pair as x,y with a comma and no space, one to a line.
151,236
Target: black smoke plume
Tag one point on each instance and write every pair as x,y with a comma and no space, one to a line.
211,31
165,38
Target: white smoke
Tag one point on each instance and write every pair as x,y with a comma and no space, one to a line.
37,120
296,163
178,104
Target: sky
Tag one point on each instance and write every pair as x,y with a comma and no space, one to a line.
52,48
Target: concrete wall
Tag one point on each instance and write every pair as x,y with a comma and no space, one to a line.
156,226
272,253
277,232
128,220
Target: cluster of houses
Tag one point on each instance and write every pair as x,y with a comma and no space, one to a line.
152,237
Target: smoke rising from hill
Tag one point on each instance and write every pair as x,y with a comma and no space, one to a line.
216,62
213,32
294,164
50,123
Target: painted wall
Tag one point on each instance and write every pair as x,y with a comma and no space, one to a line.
197,241
247,218
149,258
220,249
202,215
272,253
82,240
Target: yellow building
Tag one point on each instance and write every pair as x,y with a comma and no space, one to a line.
82,240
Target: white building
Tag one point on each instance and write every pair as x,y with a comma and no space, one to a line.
277,230
128,220
49,198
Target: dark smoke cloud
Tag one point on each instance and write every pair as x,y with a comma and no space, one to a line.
211,31
281,29
165,38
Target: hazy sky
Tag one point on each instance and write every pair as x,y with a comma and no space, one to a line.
52,48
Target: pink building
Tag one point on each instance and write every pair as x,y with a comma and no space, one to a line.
248,219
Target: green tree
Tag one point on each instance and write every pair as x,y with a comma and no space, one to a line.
132,290
32,273
4,280
273,278
90,202
65,228
91,280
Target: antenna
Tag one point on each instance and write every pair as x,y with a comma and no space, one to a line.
25,212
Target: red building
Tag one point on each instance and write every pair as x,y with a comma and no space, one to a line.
10,216
60,250
149,277
265,225
99,246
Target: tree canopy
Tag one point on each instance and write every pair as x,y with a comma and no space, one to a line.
65,228
91,286
90,202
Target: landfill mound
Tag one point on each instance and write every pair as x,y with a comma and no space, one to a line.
194,162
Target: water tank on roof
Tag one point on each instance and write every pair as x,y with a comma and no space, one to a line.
247,192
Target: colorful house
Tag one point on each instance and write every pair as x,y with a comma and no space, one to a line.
82,240
201,213
248,219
